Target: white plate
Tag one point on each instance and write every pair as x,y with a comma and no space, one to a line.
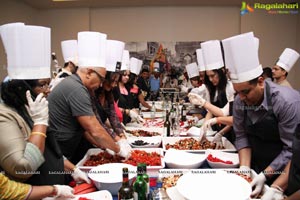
213,186
195,131
172,140
233,157
177,159
103,195
173,194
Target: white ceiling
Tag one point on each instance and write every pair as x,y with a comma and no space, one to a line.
48,4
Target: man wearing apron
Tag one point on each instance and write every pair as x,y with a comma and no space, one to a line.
265,115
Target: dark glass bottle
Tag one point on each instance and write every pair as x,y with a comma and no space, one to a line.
183,113
140,186
126,190
167,125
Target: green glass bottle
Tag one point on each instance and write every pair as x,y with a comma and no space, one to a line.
140,185
126,190
146,177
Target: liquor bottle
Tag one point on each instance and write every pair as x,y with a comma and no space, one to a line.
159,193
146,177
126,190
153,110
183,113
167,125
140,186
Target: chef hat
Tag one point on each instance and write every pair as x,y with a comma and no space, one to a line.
91,49
125,60
28,50
135,65
70,51
287,59
212,54
156,67
192,70
256,42
200,60
114,53
241,57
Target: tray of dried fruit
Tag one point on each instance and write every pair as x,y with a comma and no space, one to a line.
193,144
153,157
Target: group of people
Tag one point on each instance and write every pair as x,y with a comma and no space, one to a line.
47,124
264,115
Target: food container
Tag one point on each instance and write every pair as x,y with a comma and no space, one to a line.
214,185
109,176
177,159
152,170
218,159
145,142
228,147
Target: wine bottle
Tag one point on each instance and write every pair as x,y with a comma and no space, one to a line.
183,113
140,185
167,125
126,190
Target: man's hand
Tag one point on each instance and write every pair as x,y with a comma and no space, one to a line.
258,184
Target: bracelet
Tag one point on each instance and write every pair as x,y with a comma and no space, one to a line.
277,187
39,133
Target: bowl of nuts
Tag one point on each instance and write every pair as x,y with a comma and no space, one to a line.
145,142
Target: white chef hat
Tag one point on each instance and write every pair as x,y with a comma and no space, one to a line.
135,65
256,42
212,54
125,60
156,67
91,49
287,59
114,53
70,51
192,70
200,60
241,57
28,50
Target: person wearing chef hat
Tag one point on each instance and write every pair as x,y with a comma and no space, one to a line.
220,91
126,95
265,115
286,61
72,118
70,54
26,147
104,99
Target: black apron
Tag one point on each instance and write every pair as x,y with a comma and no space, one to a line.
221,102
264,139
51,171
125,102
294,173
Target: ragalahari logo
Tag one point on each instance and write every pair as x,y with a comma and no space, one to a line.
246,8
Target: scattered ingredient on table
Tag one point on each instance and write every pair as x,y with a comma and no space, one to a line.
170,181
